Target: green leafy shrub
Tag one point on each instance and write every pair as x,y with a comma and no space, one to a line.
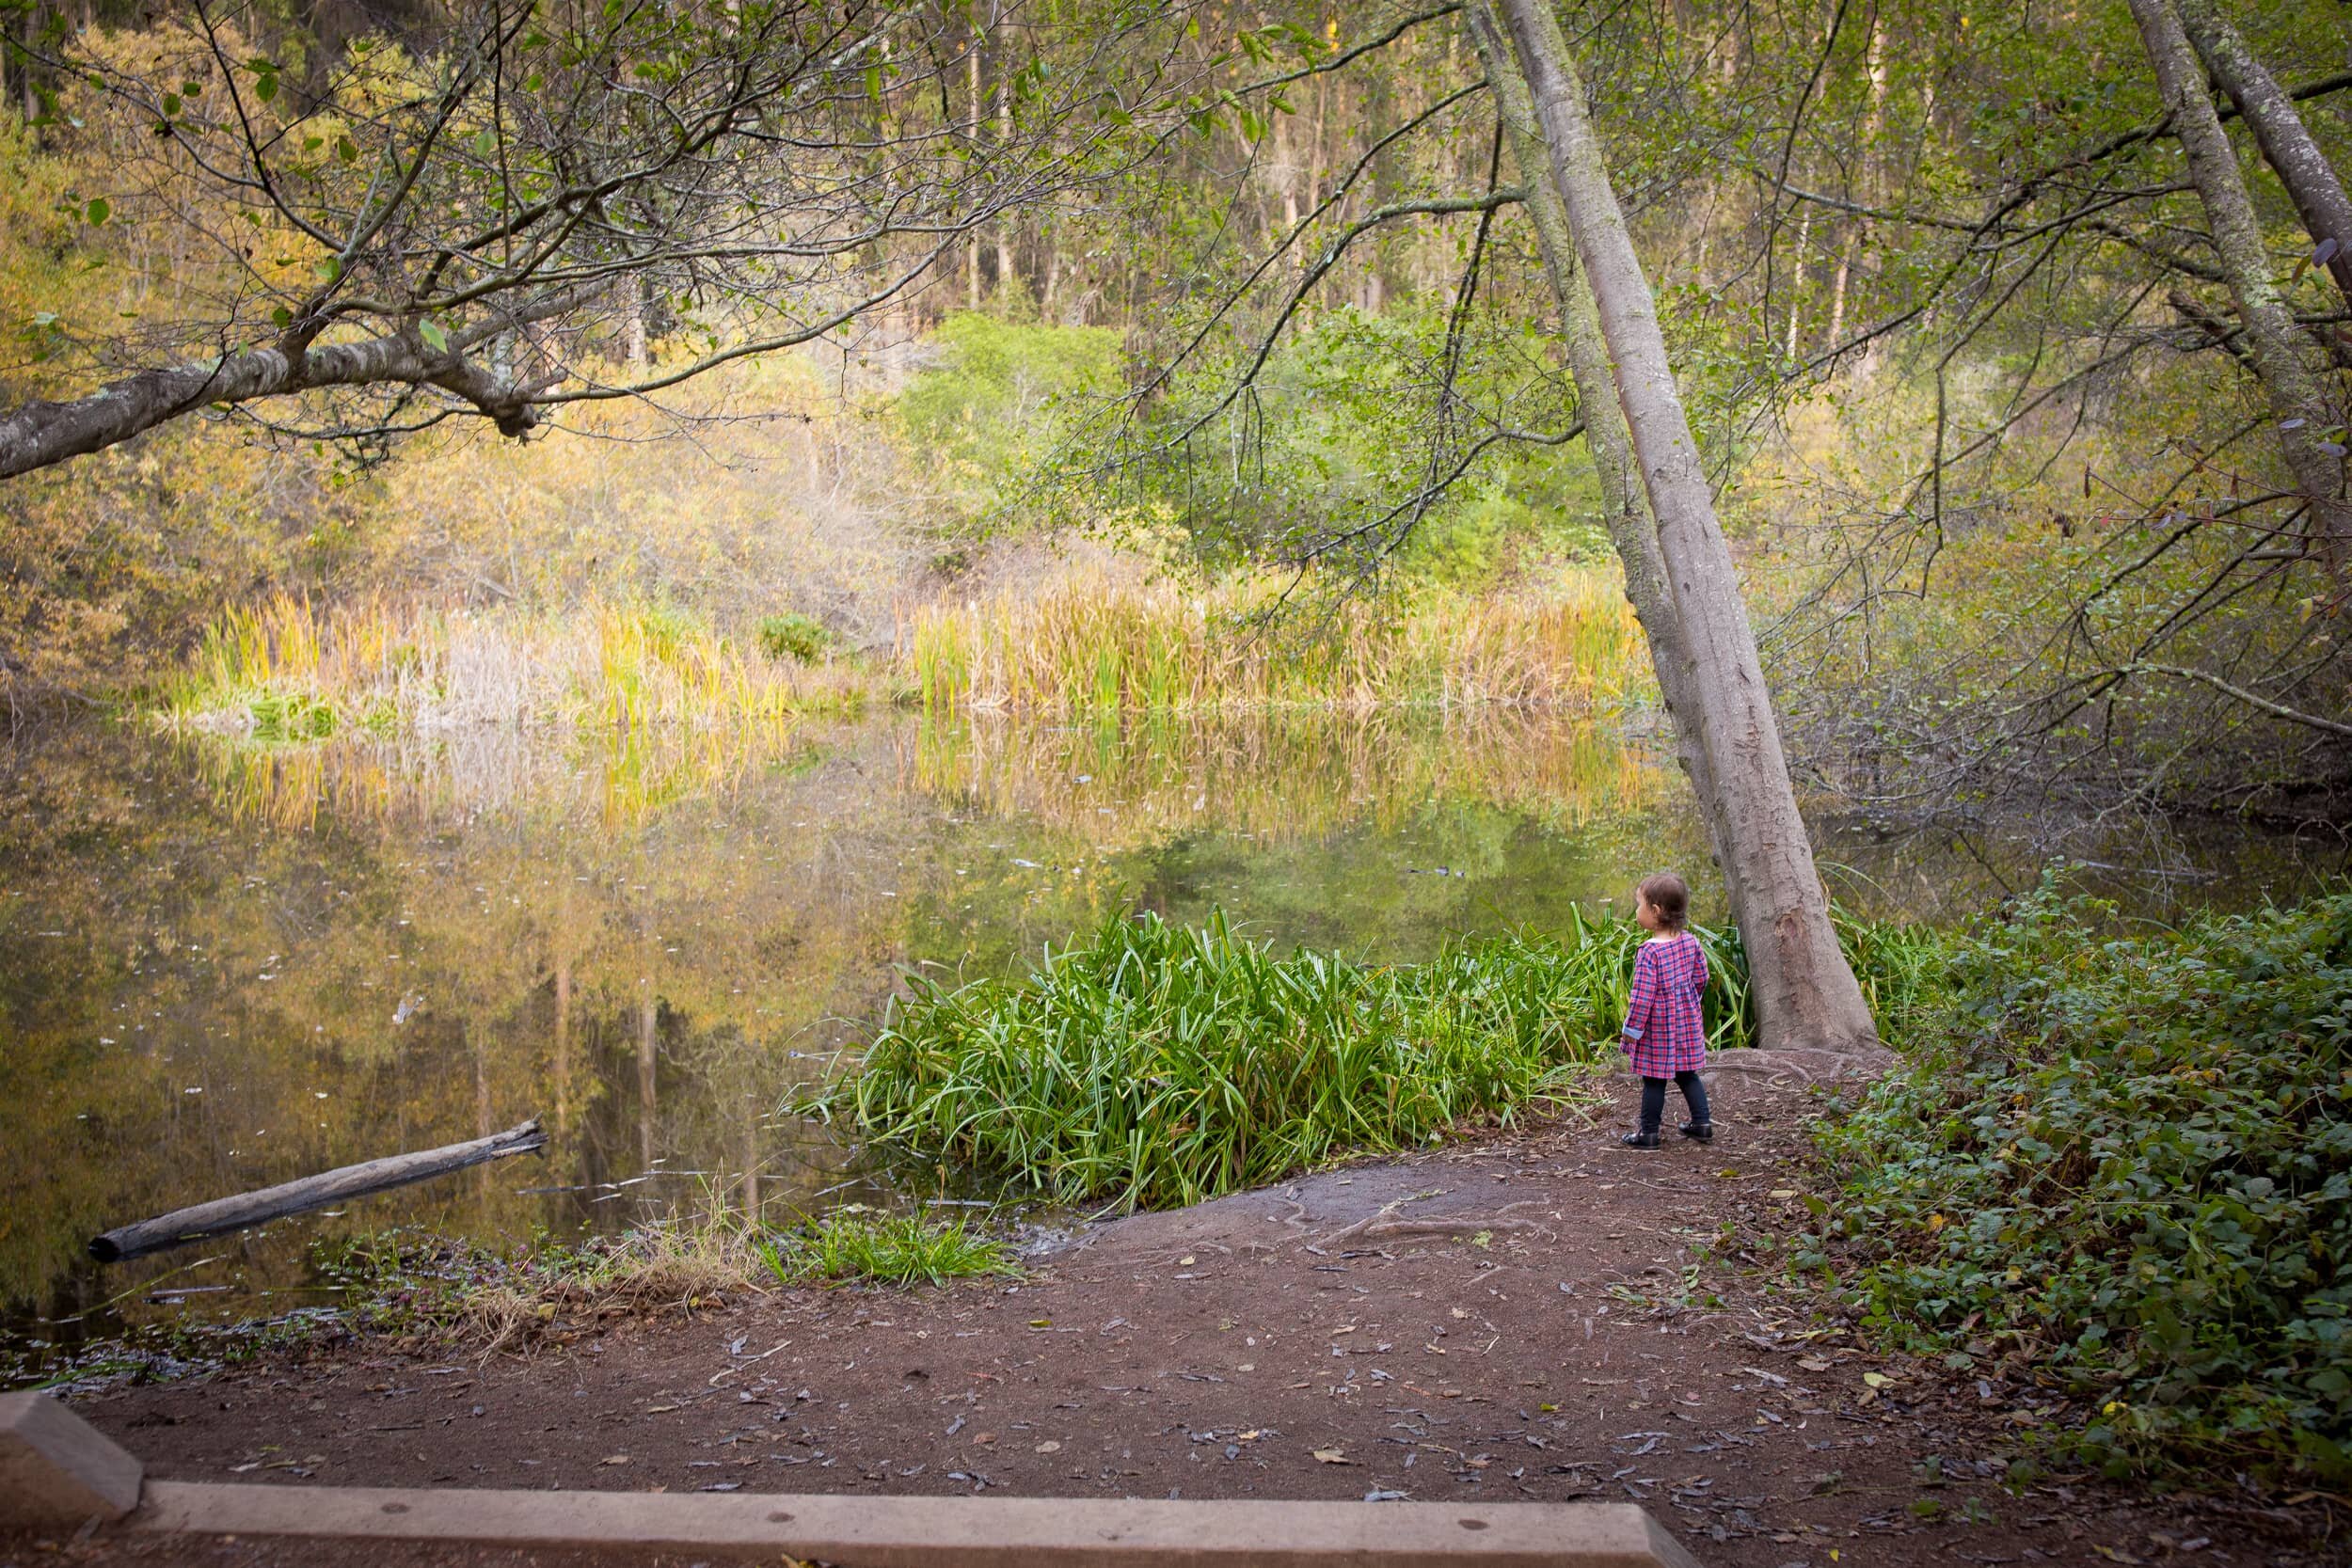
1159,1065
999,397
803,639
2120,1168
889,1249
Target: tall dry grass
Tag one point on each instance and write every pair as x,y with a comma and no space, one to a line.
287,670
1101,645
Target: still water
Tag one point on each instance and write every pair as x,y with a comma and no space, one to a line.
223,967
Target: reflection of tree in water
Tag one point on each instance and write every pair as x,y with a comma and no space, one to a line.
649,943
257,935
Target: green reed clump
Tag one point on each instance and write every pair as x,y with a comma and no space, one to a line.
847,1246
2121,1170
803,639
1159,1065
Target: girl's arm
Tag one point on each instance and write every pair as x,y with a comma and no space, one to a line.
1644,998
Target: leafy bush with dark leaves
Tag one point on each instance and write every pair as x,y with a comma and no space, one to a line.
2122,1169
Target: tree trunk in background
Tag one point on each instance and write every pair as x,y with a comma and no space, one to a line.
1004,134
634,321
2302,168
2272,340
32,37
972,252
1806,995
1625,510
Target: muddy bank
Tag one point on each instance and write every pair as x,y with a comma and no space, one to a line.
1538,1315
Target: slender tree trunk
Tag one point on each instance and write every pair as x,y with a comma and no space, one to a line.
1837,292
1806,995
2278,130
1624,508
1796,296
32,37
1316,145
1286,167
633,333
2298,405
972,253
1004,136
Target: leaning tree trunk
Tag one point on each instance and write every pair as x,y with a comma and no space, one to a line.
2298,407
2302,168
1806,996
1625,510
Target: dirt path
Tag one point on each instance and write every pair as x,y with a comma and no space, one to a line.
1527,1317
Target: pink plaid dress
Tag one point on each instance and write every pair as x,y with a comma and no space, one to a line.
1664,1031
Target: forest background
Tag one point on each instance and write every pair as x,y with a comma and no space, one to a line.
1995,459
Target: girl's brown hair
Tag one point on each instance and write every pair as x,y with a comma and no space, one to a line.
1670,895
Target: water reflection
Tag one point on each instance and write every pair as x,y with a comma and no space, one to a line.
222,967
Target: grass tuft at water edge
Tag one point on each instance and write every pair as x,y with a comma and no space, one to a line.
847,1246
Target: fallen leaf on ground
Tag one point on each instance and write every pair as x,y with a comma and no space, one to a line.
1331,1456
615,1459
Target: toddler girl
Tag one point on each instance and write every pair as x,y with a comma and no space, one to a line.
1665,1033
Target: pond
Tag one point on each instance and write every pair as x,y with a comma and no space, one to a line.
222,967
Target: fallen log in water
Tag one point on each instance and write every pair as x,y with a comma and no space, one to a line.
225,1214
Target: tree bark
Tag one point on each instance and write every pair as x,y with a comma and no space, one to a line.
223,1215
2278,130
1624,509
35,435
2298,405
633,322
972,255
1005,273
1806,995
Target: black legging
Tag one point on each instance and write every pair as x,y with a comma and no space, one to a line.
1654,1099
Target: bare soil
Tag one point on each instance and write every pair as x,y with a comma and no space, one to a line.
1535,1314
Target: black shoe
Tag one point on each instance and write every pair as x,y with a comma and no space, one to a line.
1703,1131
1639,1140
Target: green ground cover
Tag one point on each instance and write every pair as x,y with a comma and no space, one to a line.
2118,1169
